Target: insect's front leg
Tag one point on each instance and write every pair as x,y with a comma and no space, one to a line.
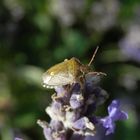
81,77
81,80
95,73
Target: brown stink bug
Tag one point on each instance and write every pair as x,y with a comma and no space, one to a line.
67,72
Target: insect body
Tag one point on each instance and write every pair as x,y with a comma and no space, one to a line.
65,73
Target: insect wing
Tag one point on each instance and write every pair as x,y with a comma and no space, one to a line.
58,75
60,79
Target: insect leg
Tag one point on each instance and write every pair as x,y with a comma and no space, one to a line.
95,73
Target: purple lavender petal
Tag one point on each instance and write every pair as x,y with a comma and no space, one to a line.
122,115
92,78
114,104
60,136
60,91
80,124
83,124
76,101
100,134
50,133
56,125
114,111
71,117
56,109
47,131
114,114
109,125
76,88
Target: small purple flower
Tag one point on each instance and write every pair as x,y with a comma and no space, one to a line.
60,91
115,114
56,111
84,126
53,131
71,117
76,100
56,125
46,130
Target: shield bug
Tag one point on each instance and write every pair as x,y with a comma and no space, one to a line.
67,72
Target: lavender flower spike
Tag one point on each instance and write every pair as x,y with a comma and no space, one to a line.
72,111
115,114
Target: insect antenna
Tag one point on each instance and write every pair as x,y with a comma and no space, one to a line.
93,56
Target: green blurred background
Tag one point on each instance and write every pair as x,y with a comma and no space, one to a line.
37,34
